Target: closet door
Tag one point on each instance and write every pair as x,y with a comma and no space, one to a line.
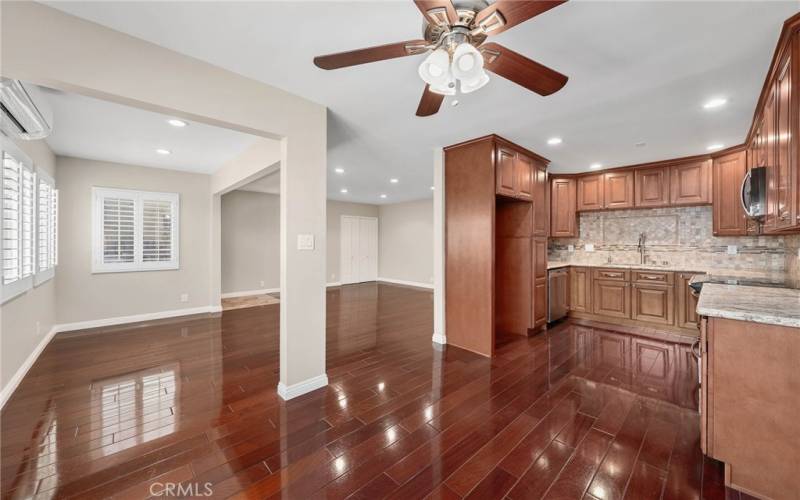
368,248
348,237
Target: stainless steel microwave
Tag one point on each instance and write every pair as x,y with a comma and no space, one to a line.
754,193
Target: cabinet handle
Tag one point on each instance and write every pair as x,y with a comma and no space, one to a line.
611,275
696,349
649,277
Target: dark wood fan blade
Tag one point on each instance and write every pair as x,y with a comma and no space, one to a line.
438,12
521,70
430,103
513,12
371,54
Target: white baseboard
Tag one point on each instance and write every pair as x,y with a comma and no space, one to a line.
300,388
120,320
439,339
12,384
417,284
246,293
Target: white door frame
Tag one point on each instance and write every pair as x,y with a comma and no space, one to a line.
342,243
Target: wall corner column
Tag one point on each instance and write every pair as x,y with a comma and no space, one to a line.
439,330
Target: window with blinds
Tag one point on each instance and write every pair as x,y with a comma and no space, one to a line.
134,230
46,237
20,222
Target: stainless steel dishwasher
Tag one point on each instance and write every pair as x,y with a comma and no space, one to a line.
557,290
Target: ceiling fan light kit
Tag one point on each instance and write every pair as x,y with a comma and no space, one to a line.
455,32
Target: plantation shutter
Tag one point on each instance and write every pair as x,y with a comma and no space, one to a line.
45,228
12,181
156,230
118,226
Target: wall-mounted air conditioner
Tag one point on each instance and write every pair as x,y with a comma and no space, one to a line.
25,113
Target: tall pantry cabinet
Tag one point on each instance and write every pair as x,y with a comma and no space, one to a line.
496,227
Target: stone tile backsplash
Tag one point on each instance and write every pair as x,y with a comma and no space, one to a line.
674,236
792,245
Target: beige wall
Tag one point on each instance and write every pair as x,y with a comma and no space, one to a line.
406,242
250,241
26,319
250,244
83,296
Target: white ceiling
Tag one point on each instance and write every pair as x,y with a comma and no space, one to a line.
101,130
639,72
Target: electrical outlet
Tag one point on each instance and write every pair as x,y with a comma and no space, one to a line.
305,242
733,249
570,248
590,247
184,297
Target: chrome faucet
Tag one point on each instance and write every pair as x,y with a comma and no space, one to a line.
641,247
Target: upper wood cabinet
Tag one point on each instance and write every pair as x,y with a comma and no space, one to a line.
563,204
691,183
506,175
728,214
523,170
541,201
618,188
783,182
590,192
651,186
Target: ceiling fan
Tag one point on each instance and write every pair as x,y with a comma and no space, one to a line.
455,32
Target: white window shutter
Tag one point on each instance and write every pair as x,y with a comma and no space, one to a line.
45,228
18,222
118,230
12,181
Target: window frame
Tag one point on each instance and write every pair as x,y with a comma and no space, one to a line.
138,264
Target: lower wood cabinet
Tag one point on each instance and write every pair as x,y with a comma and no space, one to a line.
685,303
611,298
580,287
653,303
539,285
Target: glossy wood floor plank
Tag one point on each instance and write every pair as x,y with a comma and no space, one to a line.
579,411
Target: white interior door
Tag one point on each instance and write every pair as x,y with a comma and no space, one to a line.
368,248
359,249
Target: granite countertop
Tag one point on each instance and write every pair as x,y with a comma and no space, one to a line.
654,267
716,273
760,304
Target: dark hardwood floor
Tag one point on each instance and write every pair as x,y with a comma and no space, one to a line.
575,412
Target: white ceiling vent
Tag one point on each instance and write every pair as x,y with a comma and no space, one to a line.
25,113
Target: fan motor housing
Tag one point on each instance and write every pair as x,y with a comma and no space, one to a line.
466,9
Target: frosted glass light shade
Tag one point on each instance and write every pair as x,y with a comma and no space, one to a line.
467,63
435,69
472,86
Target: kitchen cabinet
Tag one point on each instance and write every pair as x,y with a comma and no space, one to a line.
728,215
618,189
580,287
749,382
782,187
563,205
690,183
539,285
541,200
590,192
653,303
686,303
611,298
651,186
514,177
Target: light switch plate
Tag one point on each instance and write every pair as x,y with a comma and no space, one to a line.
590,247
570,248
733,249
305,242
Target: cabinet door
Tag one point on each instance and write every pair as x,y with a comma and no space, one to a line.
771,219
523,177
590,192
611,298
505,173
563,222
652,186
729,217
653,303
686,303
784,158
690,183
539,309
541,201
580,288
618,188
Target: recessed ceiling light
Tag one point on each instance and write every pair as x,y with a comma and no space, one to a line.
554,140
713,147
177,123
432,188
394,181
640,144
338,170
595,166
343,190
383,196
162,151
715,103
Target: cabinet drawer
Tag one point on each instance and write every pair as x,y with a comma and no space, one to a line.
662,277
612,274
